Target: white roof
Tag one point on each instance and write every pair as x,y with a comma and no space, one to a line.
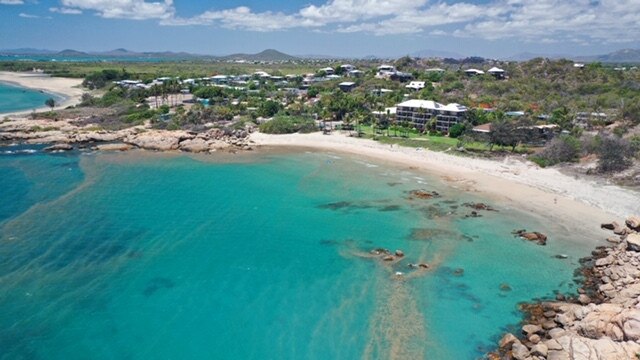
386,67
479,72
415,85
432,105
326,69
347,83
435,70
495,70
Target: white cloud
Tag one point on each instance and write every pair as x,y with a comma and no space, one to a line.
124,9
11,2
66,11
31,16
542,21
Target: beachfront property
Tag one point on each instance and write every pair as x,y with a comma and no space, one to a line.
419,113
415,85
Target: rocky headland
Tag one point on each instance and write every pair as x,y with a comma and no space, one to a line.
63,134
601,321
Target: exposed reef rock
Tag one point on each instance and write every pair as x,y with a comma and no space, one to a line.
537,237
602,322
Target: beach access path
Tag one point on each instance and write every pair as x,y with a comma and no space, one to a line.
578,201
69,89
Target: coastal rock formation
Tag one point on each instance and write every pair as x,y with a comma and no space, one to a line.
603,322
43,131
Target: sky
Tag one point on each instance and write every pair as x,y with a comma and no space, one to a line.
349,28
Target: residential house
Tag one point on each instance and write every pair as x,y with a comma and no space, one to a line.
347,86
419,113
347,67
415,85
328,70
496,72
473,72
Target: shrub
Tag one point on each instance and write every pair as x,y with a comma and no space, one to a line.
564,148
288,125
456,130
614,154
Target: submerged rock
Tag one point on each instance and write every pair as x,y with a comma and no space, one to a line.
423,194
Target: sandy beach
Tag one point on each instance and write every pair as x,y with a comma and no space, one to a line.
548,193
68,89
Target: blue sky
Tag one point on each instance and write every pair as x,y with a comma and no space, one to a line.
490,28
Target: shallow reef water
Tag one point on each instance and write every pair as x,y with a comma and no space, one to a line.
139,255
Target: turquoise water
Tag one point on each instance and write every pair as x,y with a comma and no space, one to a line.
16,98
144,256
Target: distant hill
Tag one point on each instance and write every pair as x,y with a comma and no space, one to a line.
430,53
526,56
266,55
620,56
70,52
26,51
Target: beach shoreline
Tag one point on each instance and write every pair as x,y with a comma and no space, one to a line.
575,203
68,90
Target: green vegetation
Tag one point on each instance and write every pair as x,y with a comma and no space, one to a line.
288,125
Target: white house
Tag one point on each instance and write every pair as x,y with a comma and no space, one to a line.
415,85
496,72
473,72
328,70
347,67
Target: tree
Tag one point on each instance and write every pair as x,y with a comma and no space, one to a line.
614,154
50,102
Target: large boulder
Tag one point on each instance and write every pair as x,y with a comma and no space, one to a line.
539,350
507,341
633,222
519,351
159,140
631,324
633,242
194,145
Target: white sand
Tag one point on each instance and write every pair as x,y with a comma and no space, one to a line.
570,202
69,89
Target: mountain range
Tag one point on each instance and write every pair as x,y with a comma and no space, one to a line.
271,55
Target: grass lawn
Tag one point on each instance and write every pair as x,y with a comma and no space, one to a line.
431,142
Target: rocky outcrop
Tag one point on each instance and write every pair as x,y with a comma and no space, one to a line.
67,131
602,322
